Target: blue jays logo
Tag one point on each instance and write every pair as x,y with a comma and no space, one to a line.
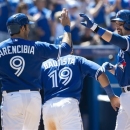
122,65
121,60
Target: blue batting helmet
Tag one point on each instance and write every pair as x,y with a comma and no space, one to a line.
15,22
58,40
123,16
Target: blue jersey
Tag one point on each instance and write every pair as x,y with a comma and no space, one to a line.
21,60
64,77
122,72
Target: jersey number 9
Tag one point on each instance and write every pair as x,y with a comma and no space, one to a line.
17,63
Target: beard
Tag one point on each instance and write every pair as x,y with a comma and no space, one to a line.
120,32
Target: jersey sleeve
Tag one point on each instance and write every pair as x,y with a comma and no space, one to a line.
90,68
46,50
128,43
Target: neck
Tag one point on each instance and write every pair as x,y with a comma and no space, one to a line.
18,36
127,33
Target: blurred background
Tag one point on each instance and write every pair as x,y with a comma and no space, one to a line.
96,111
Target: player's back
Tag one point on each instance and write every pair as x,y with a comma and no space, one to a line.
20,63
63,77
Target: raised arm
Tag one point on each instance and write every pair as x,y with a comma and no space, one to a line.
113,38
65,21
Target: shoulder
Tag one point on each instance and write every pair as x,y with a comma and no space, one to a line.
79,58
127,37
3,43
47,62
76,58
69,56
40,43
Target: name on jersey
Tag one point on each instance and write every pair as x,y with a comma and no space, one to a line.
16,49
53,63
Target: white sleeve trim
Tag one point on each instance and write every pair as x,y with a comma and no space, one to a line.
96,75
128,44
59,53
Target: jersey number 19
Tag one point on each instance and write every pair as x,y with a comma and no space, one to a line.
65,74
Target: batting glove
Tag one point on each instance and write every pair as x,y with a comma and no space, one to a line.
107,66
88,22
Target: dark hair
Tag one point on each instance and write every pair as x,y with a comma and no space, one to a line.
19,30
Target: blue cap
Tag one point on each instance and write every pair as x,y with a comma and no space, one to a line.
16,21
122,16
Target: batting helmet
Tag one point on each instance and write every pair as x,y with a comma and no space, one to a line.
123,16
15,22
58,40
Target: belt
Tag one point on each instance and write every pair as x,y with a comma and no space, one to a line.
9,91
125,89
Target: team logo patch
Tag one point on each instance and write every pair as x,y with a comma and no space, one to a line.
122,65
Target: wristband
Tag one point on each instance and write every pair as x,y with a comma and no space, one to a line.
100,31
109,91
67,28
94,27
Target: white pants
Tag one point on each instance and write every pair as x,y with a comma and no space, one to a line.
62,114
123,117
21,110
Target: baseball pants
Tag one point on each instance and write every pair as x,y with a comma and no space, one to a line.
21,110
62,114
123,117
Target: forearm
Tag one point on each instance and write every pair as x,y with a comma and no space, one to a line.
94,12
107,36
67,36
112,38
103,80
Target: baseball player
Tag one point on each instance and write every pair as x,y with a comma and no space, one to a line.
20,66
122,69
62,81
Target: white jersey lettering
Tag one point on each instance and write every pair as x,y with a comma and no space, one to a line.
16,49
53,63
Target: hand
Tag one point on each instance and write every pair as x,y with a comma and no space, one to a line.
108,66
64,19
88,22
115,102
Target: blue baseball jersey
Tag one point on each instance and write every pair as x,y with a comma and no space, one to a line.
21,60
64,77
122,71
